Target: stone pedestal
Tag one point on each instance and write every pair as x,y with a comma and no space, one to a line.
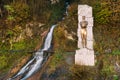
85,56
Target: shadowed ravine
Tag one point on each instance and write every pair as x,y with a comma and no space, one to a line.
38,60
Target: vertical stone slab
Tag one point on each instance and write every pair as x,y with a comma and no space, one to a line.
85,56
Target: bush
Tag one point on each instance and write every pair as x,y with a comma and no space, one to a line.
115,77
56,12
17,12
59,37
102,13
107,70
82,72
116,52
56,60
3,62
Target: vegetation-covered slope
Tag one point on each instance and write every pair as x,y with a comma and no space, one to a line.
23,22
106,44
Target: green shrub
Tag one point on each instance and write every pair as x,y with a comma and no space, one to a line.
116,52
56,60
19,45
17,12
101,12
3,62
82,72
107,70
115,77
56,12
59,37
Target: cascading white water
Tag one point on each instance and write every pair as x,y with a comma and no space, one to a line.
67,6
48,40
34,64
39,55
66,11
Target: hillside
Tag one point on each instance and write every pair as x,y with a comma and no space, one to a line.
106,46
23,22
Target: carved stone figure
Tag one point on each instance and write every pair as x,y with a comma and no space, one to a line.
83,25
85,54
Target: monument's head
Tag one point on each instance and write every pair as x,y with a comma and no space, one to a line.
83,17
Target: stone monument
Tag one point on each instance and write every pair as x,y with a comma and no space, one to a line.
85,55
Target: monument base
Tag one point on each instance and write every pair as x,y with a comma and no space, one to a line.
84,57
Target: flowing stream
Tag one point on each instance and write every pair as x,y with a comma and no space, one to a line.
36,62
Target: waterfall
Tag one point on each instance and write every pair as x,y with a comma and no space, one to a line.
67,6
36,62
48,40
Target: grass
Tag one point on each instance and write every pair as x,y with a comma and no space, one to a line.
19,50
57,60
